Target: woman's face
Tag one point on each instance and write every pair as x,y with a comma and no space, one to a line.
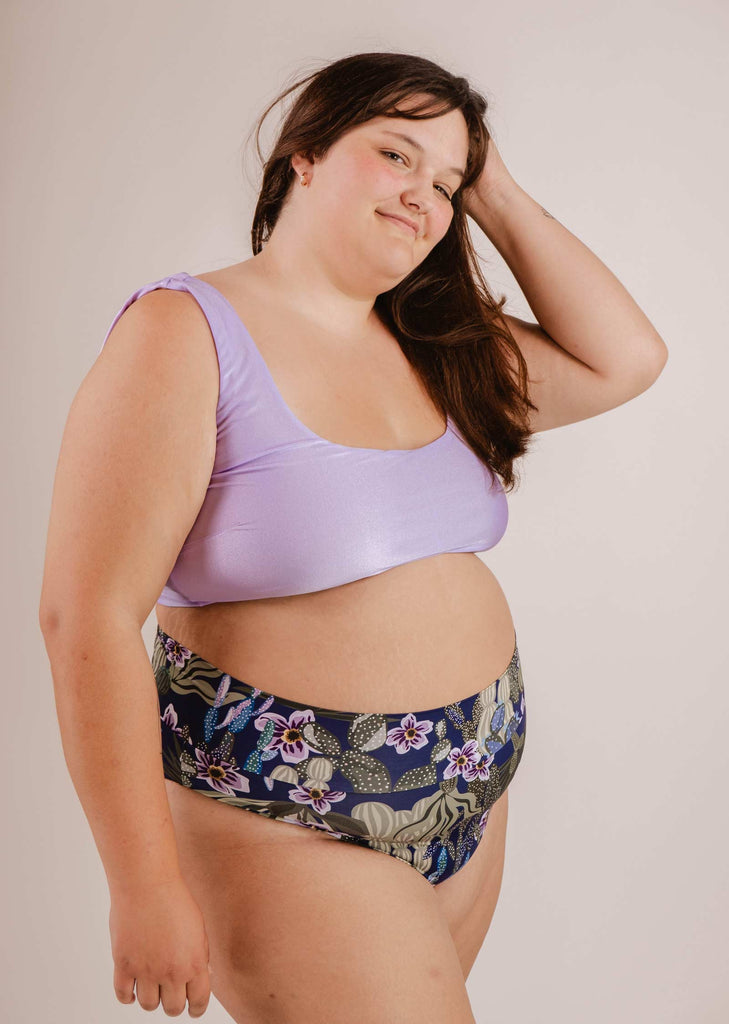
372,174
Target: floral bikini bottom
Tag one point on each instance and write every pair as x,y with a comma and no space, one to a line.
417,785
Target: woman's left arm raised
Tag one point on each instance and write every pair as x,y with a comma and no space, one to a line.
593,348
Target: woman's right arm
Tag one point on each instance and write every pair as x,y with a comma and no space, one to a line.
133,469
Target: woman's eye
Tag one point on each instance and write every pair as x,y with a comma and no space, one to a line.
391,152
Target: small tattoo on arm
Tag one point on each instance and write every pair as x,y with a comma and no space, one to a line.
548,214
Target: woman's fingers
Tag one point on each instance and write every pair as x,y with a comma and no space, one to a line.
123,985
148,993
174,996
198,993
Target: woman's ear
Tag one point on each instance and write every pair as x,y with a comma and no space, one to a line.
301,165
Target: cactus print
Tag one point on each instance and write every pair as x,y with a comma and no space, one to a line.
417,785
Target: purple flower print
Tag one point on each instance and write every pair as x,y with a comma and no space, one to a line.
176,653
316,795
479,770
482,822
463,760
169,717
219,773
288,737
410,733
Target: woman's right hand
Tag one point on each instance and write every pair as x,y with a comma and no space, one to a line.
158,938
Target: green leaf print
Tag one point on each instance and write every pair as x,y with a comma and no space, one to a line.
424,775
321,740
367,732
440,750
367,774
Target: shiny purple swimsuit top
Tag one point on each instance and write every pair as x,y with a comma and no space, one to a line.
287,512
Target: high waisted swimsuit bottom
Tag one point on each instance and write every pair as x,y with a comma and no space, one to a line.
417,785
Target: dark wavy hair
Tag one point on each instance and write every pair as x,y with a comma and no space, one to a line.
443,315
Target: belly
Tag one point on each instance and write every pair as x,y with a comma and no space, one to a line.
417,636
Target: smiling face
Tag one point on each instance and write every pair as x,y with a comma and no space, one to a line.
369,177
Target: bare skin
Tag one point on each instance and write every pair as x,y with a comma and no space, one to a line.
420,635
342,934
417,636
268,893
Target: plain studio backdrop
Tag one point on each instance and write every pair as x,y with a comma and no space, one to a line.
124,133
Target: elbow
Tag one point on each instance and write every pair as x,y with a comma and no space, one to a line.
661,357
47,620
654,363
660,353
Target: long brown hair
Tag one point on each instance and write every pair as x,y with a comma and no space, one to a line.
443,315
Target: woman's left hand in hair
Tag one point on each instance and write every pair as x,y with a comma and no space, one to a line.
493,178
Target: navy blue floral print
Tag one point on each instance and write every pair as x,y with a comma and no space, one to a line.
417,785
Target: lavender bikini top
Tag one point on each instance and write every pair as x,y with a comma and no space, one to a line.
287,512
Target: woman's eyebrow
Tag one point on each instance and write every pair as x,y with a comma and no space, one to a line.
416,145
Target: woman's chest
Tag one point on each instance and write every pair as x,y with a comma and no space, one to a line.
356,391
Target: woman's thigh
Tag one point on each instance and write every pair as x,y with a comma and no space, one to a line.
468,898
308,929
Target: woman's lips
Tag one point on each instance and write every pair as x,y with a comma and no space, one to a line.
401,224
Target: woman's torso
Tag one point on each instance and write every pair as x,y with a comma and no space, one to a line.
419,635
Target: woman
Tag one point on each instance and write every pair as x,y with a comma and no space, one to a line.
297,458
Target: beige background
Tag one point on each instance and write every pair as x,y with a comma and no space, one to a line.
123,131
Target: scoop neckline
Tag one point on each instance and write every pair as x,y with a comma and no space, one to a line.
287,408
